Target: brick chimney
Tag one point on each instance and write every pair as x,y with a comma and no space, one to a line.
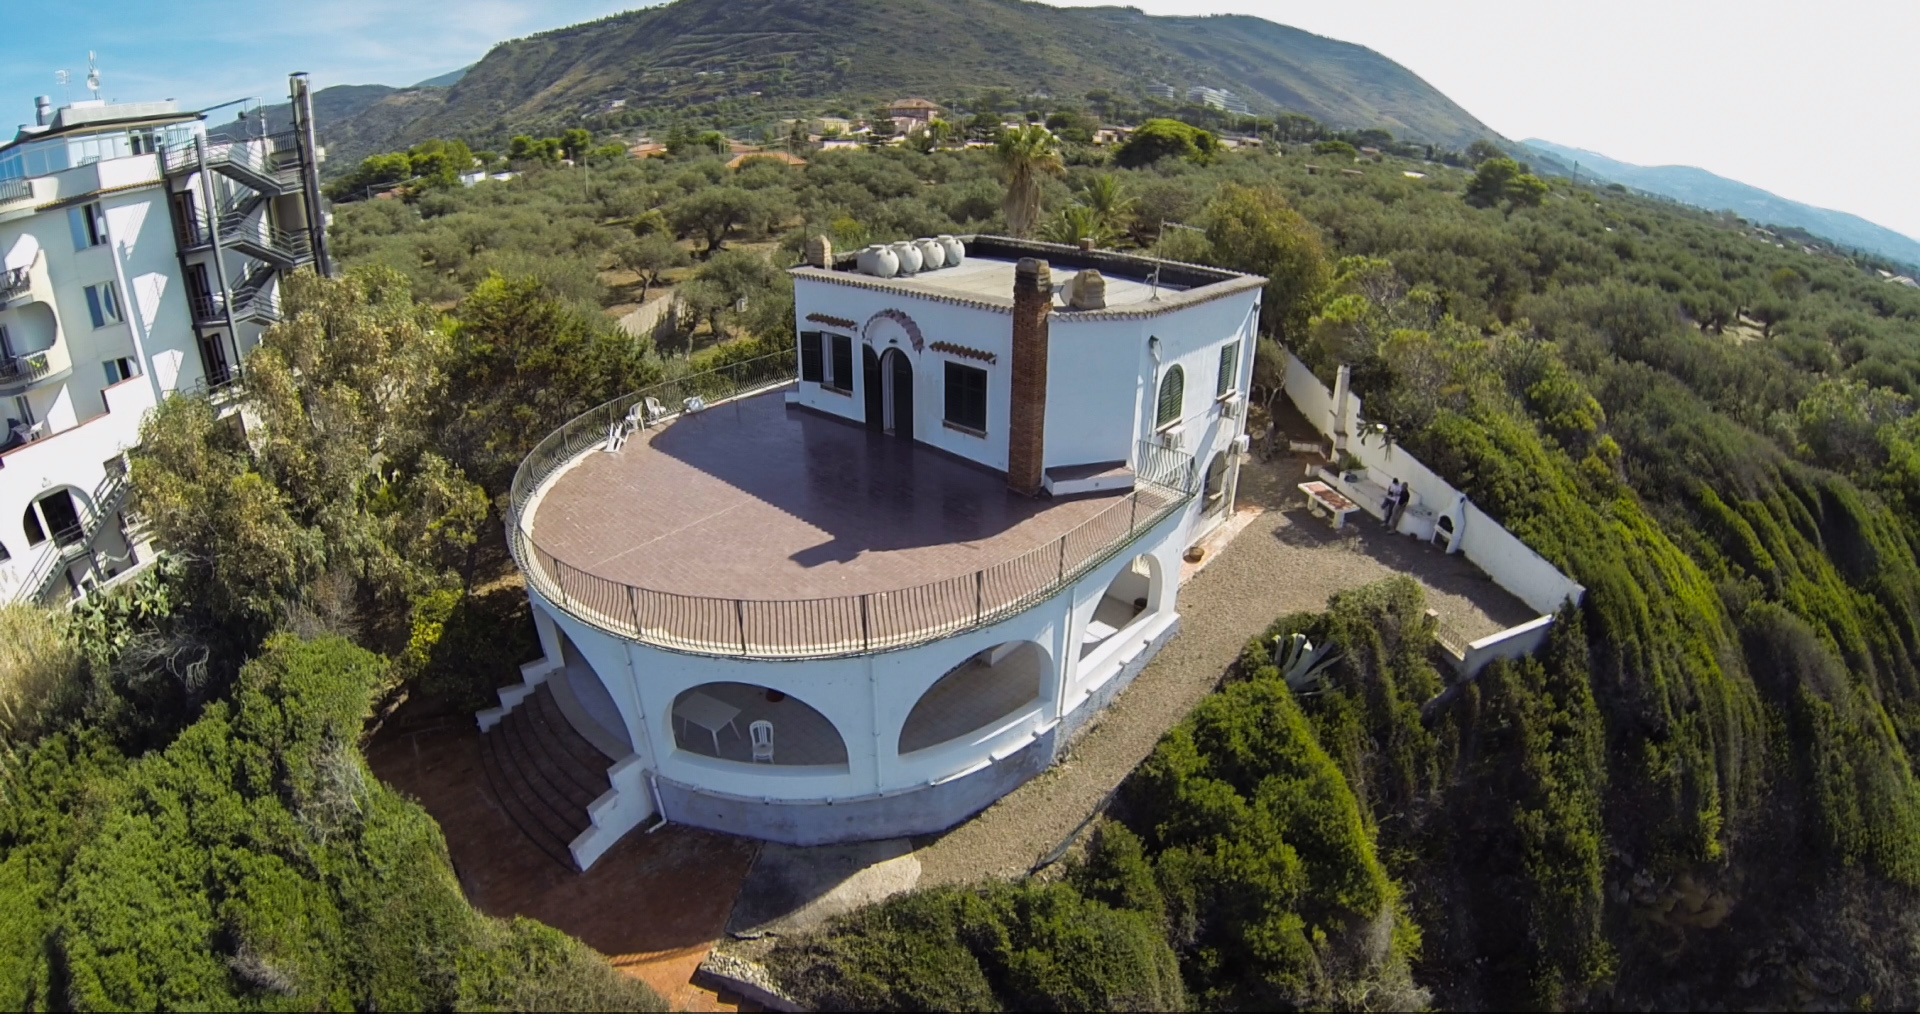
1027,426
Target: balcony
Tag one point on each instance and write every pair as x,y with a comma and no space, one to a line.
18,373
14,283
753,530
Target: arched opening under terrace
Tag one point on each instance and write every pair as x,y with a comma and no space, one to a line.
717,720
979,693
1128,599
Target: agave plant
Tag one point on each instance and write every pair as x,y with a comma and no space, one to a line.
1301,663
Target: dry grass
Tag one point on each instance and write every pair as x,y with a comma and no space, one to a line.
35,658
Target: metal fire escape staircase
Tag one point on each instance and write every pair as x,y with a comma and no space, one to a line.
243,225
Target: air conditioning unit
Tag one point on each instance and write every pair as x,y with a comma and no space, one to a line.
1174,438
1232,405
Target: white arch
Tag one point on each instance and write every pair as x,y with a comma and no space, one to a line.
981,692
713,720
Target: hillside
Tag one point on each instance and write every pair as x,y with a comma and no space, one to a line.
780,54
1702,189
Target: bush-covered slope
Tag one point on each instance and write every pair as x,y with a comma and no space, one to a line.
863,51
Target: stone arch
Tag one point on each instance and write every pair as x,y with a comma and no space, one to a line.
714,720
891,323
983,691
1133,595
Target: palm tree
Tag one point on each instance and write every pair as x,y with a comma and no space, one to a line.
1109,200
1077,222
1026,153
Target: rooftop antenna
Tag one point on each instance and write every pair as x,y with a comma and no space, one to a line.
93,76
60,77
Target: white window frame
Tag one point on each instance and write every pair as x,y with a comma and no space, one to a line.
88,223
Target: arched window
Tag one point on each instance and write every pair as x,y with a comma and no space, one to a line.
1173,393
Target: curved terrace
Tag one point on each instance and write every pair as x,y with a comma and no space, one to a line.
754,529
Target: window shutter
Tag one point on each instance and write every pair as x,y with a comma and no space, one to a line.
78,225
1173,394
93,306
810,368
842,362
1229,367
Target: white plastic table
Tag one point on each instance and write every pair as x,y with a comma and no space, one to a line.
708,713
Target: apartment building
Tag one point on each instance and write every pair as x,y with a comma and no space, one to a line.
140,255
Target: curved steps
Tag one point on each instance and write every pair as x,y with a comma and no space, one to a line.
544,774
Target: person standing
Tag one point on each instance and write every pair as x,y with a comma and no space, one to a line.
1390,507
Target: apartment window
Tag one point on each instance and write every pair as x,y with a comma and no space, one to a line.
103,304
840,364
89,225
1229,369
967,397
811,367
118,370
1173,393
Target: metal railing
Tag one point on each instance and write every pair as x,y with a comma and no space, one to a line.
820,627
26,369
15,190
14,281
244,158
69,543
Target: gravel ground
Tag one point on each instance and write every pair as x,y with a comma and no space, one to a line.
1284,561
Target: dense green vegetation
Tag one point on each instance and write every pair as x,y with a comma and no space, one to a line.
1713,434
254,863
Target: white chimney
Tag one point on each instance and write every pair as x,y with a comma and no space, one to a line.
43,109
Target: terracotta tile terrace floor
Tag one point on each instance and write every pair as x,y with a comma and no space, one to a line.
754,500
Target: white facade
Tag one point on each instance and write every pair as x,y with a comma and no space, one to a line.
1048,666
111,298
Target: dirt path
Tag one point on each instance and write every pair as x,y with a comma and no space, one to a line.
1284,561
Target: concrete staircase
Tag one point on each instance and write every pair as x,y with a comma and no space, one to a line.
544,774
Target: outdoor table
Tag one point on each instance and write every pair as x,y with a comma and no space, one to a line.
1324,500
708,713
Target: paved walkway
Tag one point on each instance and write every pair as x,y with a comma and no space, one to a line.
1283,561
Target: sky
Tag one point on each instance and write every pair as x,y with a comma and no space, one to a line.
1809,100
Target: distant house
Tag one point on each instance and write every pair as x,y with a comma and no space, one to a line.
648,149
1111,135
920,111
832,143
786,157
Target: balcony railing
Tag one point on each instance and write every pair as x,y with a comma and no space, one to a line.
15,190
821,627
14,282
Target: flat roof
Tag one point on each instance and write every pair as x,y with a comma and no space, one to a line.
755,500
1137,285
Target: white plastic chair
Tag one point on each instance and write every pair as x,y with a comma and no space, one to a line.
762,735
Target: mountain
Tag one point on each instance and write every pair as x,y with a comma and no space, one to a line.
786,53
1703,189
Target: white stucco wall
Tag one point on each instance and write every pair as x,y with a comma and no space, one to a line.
868,698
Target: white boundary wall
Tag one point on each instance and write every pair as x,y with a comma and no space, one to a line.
1482,540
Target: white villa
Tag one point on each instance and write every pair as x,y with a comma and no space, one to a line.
139,256
870,599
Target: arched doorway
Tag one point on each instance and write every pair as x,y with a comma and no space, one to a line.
55,516
889,394
717,719
982,691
